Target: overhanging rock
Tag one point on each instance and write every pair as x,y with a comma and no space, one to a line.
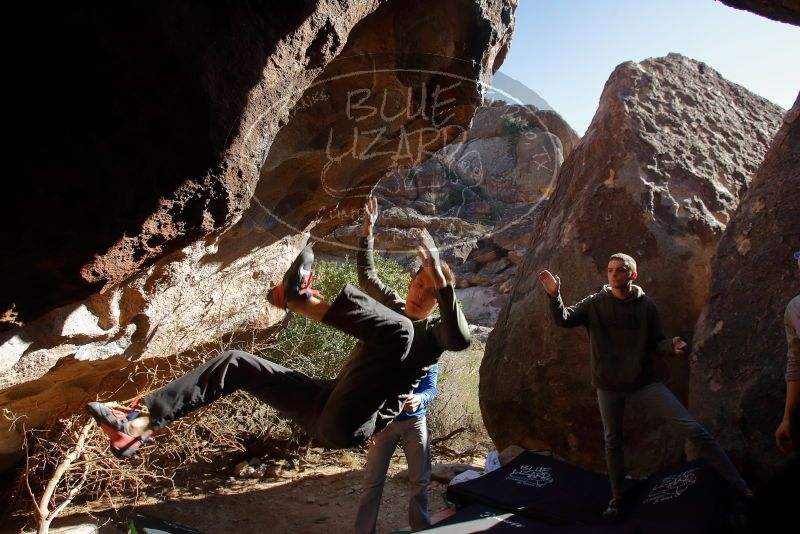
190,194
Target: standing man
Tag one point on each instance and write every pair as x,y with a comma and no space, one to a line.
788,431
624,332
410,427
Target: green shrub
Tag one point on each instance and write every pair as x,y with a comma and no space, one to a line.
315,348
456,409
514,124
455,197
434,196
452,176
224,425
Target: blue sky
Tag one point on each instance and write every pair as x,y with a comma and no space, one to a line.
565,50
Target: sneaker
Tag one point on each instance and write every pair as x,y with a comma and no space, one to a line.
115,424
614,510
736,516
744,498
296,283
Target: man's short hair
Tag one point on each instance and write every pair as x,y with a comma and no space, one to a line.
628,262
446,270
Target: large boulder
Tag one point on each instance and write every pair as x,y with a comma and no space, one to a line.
738,364
495,120
669,152
193,191
483,191
154,115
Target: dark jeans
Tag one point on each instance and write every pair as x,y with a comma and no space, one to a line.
658,400
338,413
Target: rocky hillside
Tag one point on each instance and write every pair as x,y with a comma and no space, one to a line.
479,197
666,160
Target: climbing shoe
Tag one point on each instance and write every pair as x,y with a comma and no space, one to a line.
613,511
116,425
296,283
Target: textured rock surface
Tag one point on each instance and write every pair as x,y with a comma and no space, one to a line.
205,262
481,304
784,11
157,117
737,375
658,174
151,167
478,196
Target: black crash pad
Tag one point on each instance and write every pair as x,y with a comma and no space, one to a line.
689,499
540,487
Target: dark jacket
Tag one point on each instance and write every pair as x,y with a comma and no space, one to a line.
432,335
623,336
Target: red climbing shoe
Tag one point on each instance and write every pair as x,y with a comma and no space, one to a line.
116,425
296,283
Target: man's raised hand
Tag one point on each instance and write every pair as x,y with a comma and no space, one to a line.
370,215
550,283
429,255
679,346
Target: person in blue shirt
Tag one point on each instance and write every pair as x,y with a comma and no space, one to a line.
410,425
411,430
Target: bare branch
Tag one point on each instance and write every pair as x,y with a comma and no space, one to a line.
449,435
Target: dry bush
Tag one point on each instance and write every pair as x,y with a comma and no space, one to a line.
454,417
70,460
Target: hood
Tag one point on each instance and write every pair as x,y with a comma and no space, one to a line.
636,292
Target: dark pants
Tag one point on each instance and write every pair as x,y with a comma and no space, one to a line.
338,413
658,400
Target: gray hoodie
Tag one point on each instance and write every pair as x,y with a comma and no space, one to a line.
623,335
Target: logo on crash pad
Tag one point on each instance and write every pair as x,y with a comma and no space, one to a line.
671,487
531,476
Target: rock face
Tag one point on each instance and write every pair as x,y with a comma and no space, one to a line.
478,196
784,11
737,376
193,191
671,149
156,117
163,118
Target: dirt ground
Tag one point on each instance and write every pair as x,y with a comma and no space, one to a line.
315,492
319,494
